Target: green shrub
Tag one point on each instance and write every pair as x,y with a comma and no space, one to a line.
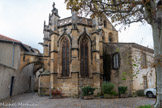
122,89
114,93
98,95
88,90
146,106
107,88
134,94
140,92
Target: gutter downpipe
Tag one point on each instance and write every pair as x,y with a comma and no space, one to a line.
13,54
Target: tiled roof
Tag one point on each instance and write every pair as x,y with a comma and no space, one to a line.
135,45
26,47
5,38
81,20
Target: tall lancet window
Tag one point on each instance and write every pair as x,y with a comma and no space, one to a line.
65,57
110,37
84,71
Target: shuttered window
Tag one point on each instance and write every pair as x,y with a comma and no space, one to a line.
116,61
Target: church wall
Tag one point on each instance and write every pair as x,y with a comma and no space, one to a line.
131,73
68,85
114,35
44,84
65,83
109,29
74,29
46,54
120,76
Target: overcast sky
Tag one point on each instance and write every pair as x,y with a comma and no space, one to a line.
23,20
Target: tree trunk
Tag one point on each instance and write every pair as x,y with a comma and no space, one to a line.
157,37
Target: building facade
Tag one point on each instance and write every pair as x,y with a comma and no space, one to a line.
129,64
16,67
74,53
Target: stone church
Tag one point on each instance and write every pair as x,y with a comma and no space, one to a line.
73,57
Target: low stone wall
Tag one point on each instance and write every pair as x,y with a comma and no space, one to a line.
70,86
44,84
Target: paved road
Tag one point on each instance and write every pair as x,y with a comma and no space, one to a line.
32,100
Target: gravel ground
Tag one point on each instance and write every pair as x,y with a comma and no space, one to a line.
32,100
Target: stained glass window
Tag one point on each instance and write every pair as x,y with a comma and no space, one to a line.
65,57
84,57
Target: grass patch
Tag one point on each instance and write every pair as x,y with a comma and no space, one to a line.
145,106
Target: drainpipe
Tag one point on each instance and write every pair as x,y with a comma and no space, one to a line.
13,54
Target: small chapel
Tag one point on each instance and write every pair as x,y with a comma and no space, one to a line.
74,54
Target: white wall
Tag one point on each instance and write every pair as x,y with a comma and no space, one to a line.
21,81
9,54
139,71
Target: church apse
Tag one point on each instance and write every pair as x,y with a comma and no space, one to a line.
73,53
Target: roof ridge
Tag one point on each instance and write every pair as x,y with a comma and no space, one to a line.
2,37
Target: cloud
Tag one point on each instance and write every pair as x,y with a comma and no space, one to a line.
23,20
138,33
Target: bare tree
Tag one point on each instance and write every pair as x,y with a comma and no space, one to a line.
126,12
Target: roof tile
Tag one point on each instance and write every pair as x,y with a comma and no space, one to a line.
2,37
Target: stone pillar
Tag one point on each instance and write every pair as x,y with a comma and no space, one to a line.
96,73
101,57
95,24
75,64
74,19
96,83
53,62
74,84
96,65
96,54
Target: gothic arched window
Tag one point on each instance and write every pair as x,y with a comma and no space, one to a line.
105,24
65,57
110,37
84,71
103,34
